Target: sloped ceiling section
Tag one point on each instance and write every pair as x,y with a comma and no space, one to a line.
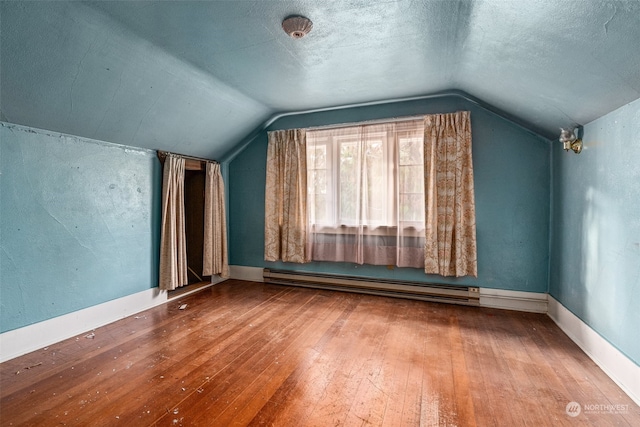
196,77
69,68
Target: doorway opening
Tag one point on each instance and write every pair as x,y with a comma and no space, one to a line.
194,183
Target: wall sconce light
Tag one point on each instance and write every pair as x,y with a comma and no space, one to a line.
570,140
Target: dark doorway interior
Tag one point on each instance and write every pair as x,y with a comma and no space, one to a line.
194,223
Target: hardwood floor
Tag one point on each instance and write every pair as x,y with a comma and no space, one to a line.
246,353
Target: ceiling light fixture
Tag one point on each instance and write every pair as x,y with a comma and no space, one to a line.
570,141
297,26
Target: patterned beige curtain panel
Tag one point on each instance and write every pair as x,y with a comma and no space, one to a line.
173,249
286,197
450,247
215,258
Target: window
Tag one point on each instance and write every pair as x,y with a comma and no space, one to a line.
366,194
366,176
357,194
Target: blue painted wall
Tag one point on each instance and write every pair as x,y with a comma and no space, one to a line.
512,188
595,244
79,223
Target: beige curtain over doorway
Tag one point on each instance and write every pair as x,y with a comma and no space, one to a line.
173,248
215,228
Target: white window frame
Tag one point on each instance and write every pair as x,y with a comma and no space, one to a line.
336,224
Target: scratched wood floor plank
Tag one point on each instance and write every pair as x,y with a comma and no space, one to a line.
369,402
357,341
291,403
284,361
228,402
245,353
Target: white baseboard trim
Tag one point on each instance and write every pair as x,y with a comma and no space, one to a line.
242,272
622,370
513,300
214,281
33,337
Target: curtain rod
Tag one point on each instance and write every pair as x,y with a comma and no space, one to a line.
367,122
199,159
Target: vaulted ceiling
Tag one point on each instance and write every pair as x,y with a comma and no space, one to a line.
197,77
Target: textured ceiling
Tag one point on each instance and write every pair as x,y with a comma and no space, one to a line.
197,77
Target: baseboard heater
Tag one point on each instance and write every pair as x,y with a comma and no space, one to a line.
466,295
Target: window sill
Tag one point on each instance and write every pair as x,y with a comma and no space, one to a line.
369,231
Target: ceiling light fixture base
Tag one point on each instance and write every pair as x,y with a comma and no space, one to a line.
297,26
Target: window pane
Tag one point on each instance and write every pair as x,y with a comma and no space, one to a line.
319,182
320,209
376,183
317,156
411,150
318,177
411,208
348,182
411,179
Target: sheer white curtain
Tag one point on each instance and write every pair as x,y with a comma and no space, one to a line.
366,195
215,227
173,249
286,223
450,248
